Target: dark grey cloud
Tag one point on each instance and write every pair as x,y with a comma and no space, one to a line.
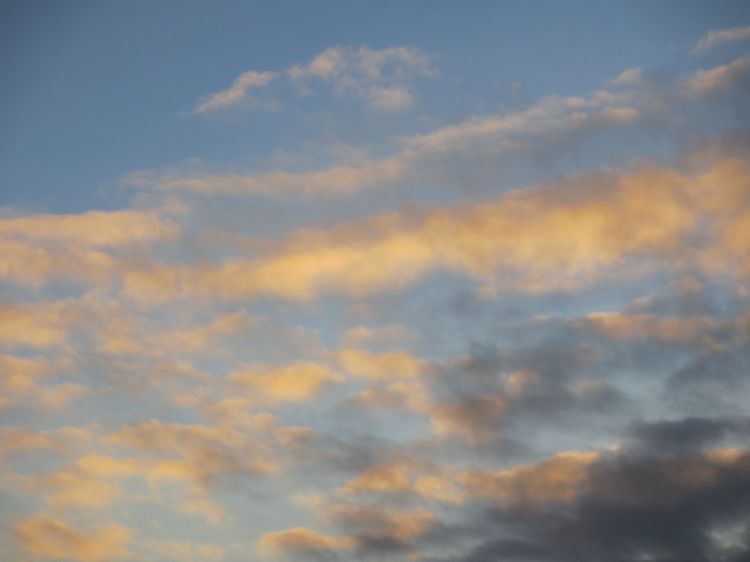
688,434
632,508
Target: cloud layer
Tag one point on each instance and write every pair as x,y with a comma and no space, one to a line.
520,335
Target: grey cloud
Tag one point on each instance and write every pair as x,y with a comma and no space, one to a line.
633,507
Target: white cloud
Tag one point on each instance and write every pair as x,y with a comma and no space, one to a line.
391,99
629,76
718,78
236,93
380,78
719,36
538,125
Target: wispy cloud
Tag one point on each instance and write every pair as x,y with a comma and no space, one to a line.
237,93
627,101
381,79
378,77
720,36
395,351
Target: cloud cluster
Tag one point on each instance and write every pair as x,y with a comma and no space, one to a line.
546,126
379,77
552,372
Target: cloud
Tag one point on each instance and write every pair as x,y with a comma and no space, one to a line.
391,99
625,506
376,76
628,77
554,479
87,484
375,530
44,536
182,551
418,154
685,435
401,476
298,382
719,79
19,377
75,488
720,36
37,249
40,326
64,440
395,365
236,94
551,124
560,237
683,330
93,229
189,462
301,541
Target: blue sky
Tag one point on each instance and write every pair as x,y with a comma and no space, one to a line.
96,91
327,281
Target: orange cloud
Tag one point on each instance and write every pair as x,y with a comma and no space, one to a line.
37,249
554,479
298,382
39,325
94,229
299,540
682,330
407,476
44,536
62,440
559,237
192,457
395,365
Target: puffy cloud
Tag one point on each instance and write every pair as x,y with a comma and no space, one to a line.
43,325
377,76
36,249
45,536
400,476
87,484
298,382
18,375
376,530
191,461
60,441
554,479
301,541
75,489
473,417
24,380
627,505
394,365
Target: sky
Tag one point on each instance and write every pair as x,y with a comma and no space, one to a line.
355,281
